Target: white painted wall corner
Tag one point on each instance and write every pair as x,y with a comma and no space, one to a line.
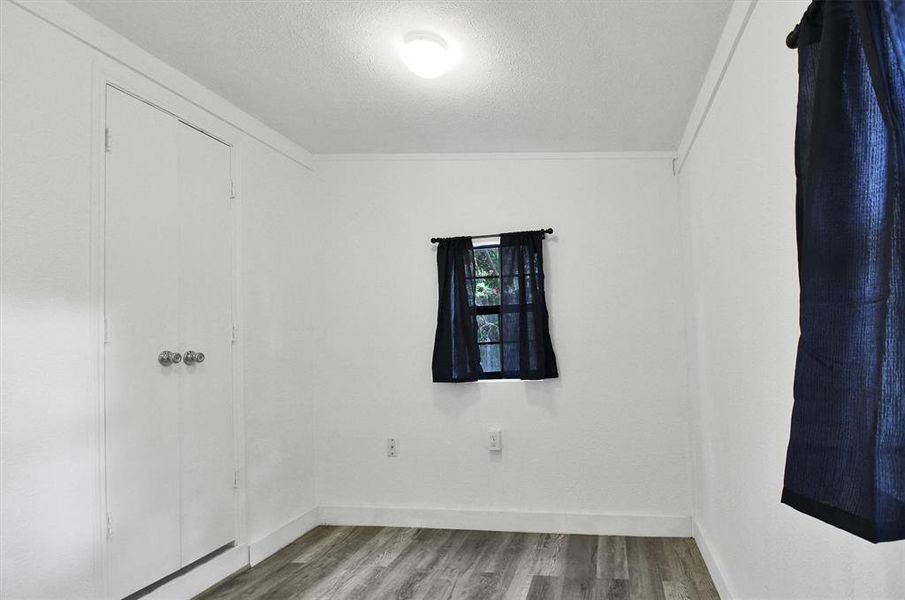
282,537
720,581
722,56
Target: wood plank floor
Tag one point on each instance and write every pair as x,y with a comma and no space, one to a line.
441,564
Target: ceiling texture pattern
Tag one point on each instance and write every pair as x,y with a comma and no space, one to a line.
541,76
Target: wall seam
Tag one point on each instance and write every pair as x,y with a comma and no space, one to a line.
738,20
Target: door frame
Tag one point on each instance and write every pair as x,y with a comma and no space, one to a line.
108,73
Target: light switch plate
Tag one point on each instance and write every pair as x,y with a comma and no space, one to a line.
495,439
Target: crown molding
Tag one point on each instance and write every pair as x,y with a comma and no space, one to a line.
667,155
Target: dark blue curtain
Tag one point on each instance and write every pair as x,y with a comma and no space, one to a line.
846,457
527,348
456,354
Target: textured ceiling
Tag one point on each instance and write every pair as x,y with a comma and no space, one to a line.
535,76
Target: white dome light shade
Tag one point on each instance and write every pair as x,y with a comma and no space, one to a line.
426,54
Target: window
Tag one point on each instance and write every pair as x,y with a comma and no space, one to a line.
497,313
492,320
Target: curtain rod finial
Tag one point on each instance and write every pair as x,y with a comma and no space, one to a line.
792,38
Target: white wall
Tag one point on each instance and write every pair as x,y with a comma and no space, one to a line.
609,437
737,193
48,457
277,205
50,530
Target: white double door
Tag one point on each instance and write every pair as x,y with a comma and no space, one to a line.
170,444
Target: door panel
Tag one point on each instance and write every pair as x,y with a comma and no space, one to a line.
141,301
205,324
170,445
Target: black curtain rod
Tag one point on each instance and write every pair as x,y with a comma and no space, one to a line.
435,240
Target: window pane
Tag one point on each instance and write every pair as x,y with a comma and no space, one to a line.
488,328
529,262
490,358
517,259
509,260
512,324
469,288
510,357
487,261
487,291
511,290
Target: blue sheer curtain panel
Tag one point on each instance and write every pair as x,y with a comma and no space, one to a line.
527,348
456,354
846,457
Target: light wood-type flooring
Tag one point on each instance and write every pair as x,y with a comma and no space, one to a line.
441,564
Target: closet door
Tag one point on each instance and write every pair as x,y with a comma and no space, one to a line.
205,324
142,259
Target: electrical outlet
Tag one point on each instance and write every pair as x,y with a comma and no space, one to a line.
495,440
392,447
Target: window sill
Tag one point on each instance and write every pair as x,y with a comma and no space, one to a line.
510,380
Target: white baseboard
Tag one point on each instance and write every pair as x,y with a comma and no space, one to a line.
282,537
202,577
530,522
713,565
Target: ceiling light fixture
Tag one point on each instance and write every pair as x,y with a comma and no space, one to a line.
426,54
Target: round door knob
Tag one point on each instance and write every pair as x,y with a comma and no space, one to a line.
167,358
192,357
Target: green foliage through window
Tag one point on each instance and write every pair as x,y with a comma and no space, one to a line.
489,288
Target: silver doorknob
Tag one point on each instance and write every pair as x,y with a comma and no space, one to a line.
192,357
167,358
